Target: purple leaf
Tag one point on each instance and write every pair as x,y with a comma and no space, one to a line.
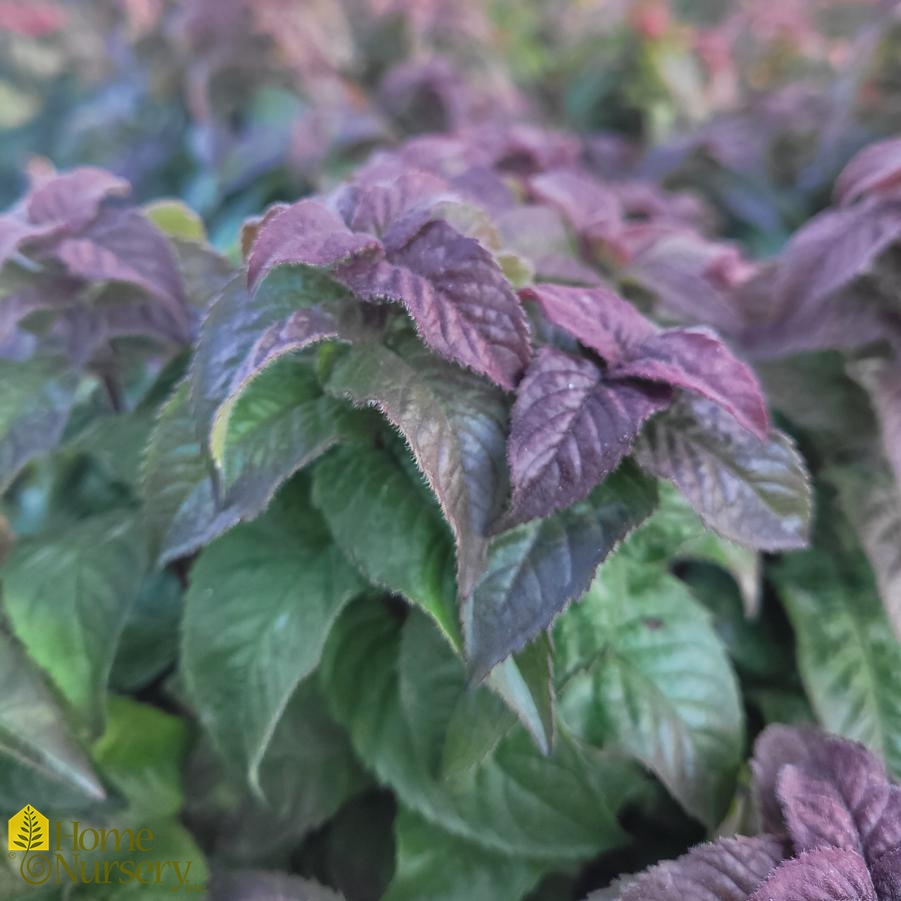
72,200
692,279
875,170
597,317
776,747
886,873
752,492
463,307
374,206
590,208
697,361
125,247
727,870
829,874
825,256
570,429
815,812
16,232
309,233
834,788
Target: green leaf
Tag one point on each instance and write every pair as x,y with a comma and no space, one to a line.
117,443
182,507
476,726
752,492
281,422
142,752
535,570
39,756
849,660
149,641
68,596
261,603
308,772
872,501
434,864
526,683
36,397
176,219
395,688
390,528
455,424
641,666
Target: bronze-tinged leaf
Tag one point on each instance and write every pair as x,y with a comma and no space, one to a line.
570,428
752,492
462,305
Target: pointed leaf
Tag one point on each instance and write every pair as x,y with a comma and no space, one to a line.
830,874
525,681
643,667
455,425
727,870
309,233
463,306
40,755
395,689
182,508
755,493
68,597
278,425
241,335
390,528
697,361
241,676
534,571
597,317
72,199
570,429
875,169
123,246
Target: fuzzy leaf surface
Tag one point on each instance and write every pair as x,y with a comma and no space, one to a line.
455,426
755,493
535,570
570,429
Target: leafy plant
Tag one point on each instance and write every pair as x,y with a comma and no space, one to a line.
827,801
456,531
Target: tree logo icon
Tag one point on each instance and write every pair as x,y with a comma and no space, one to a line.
29,831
